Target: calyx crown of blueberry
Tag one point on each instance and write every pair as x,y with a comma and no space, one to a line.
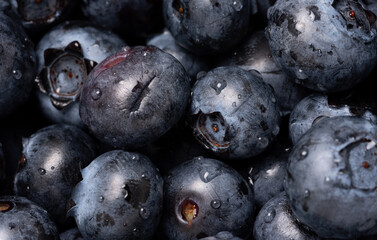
48,82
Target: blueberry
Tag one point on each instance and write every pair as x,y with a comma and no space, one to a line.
50,167
135,18
192,63
235,113
267,173
71,234
66,54
317,107
134,96
207,27
276,221
17,65
331,180
120,197
326,46
39,15
254,54
21,219
204,196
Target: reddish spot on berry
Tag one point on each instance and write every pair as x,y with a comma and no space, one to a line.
110,63
352,14
366,165
70,75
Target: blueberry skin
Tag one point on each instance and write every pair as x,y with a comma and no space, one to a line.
207,27
192,63
96,44
224,235
267,174
331,178
134,18
38,16
254,54
120,197
235,113
50,167
71,234
320,47
21,219
317,107
276,221
17,65
224,201
134,96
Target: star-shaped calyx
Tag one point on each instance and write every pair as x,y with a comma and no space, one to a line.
64,73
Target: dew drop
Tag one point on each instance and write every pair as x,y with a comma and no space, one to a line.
145,54
234,104
327,179
126,196
207,176
133,157
27,188
218,85
52,167
239,96
96,94
250,181
216,204
303,154
135,231
144,213
306,193
251,171
17,74
101,199
237,6
42,171
270,216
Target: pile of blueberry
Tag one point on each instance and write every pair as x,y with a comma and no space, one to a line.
188,119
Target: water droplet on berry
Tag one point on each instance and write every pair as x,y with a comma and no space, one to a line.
306,193
234,104
327,179
101,198
96,94
42,171
144,213
237,5
17,74
303,154
239,96
216,204
250,181
271,213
